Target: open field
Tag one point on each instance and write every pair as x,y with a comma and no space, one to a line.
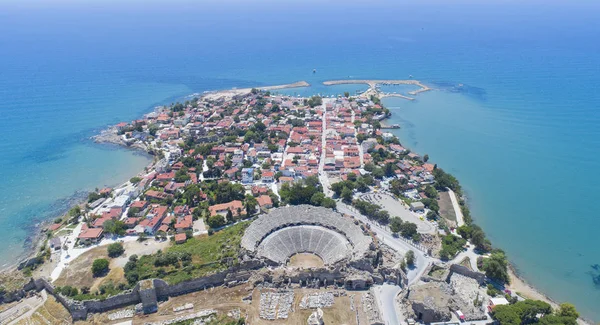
446,209
225,300
195,258
79,272
51,312
12,280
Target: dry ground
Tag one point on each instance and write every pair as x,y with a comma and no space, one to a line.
305,260
466,262
446,209
226,299
51,312
339,313
79,270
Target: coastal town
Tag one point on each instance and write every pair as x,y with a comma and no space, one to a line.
264,208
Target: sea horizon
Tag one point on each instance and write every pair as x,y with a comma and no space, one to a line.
514,117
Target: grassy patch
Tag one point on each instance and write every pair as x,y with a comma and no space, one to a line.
195,258
11,281
451,245
466,262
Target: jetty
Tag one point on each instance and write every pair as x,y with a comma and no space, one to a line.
375,83
229,93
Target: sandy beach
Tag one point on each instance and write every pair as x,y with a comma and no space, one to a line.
525,290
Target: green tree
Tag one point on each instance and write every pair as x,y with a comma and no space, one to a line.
135,179
506,315
378,173
410,258
132,212
478,239
496,267
115,249
116,227
99,266
328,203
312,181
408,229
431,192
347,195
75,211
181,176
426,158
251,204
351,177
395,224
389,170
317,199
216,221
152,129
568,310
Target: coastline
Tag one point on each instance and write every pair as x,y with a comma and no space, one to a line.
520,286
229,93
517,284
110,136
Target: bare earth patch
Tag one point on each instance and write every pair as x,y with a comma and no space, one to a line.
224,300
466,262
446,209
51,312
79,272
305,260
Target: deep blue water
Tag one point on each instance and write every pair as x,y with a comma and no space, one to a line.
522,133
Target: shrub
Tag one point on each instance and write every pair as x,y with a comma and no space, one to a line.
115,249
100,266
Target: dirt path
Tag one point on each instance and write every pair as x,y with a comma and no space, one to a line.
31,304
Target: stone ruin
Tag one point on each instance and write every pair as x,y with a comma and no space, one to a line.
353,261
436,299
316,318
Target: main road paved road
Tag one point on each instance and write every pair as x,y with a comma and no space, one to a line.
386,294
421,261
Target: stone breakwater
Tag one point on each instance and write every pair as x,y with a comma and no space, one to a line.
111,135
373,83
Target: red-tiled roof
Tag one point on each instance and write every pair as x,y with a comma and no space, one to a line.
90,233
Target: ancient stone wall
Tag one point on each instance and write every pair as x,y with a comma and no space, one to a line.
127,298
455,268
156,289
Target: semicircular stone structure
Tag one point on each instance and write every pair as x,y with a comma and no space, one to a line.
297,229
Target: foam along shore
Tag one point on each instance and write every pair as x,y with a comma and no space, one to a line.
373,83
228,93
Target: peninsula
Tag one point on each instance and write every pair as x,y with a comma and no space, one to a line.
260,208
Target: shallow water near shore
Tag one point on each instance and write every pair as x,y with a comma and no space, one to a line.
518,121
516,184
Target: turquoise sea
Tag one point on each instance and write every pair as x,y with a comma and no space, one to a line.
516,115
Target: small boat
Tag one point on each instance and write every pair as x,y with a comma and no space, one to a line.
410,76
314,70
